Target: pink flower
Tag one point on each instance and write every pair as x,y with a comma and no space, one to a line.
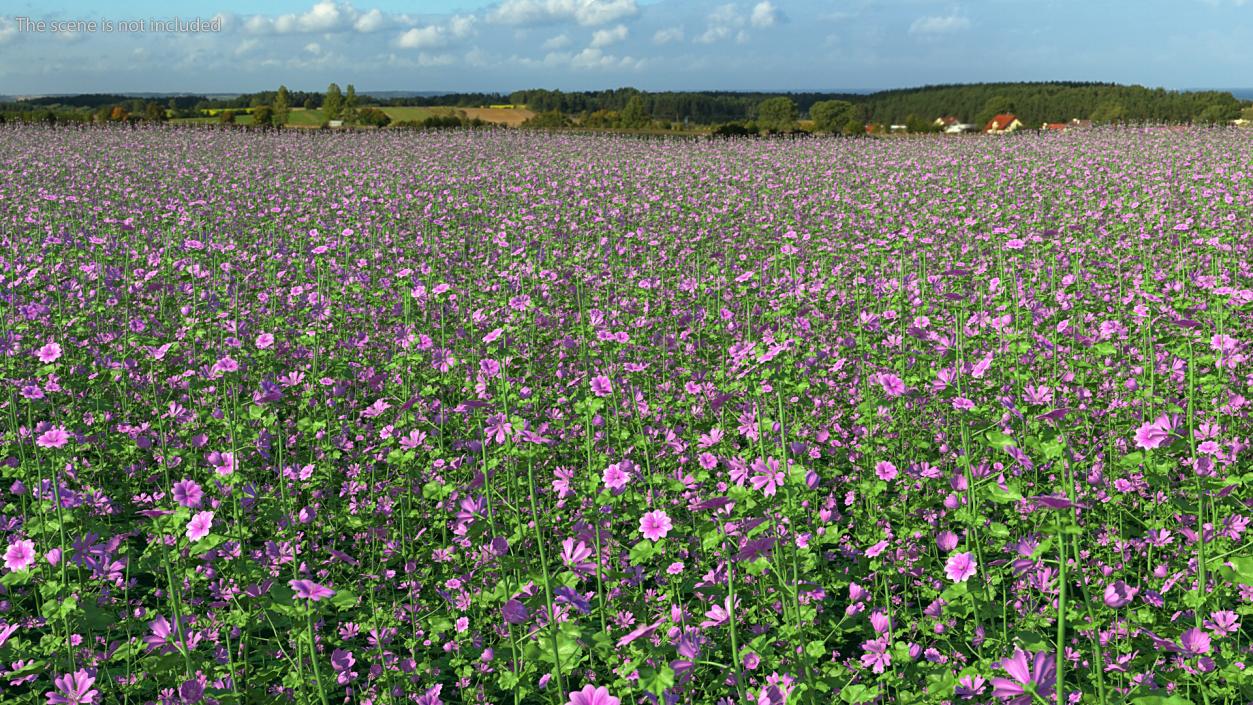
73,689
223,463
264,341
601,386
1223,623
885,470
768,477
1040,671
199,526
1119,594
655,525
1223,344
592,695
19,555
615,477
969,687
946,541
876,656
53,438
1195,642
960,566
49,353
309,590
1151,435
226,364
188,493
892,385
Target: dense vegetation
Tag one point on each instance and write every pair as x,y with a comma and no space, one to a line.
527,418
1033,103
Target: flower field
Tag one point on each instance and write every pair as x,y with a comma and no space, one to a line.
503,417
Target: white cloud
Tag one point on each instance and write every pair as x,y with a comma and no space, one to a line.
607,37
765,14
313,48
372,21
588,13
428,37
668,35
462,26
326,17
593,58
558,42
723,22
939,25
8,31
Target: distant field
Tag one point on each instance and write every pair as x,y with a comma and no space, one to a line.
240,119
414,113
300,117
503,116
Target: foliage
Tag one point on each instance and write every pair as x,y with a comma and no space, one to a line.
831,115
777,114
373,117
520,417
547,120
282,106
263,116
333,104
634,114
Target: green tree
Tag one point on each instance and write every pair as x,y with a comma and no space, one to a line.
263,116
830,115
634,116
153,112
333,105
1109,111
547,120
854,127
373,116
226,117
996,105
915,124
777,114
282,106
1216,114
310,103
350,104
1247,113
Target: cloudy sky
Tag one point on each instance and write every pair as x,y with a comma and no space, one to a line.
504,45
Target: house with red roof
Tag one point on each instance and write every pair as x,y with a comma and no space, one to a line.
1005,122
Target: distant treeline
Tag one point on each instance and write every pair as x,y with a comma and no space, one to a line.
696,106
1037,103
1032,103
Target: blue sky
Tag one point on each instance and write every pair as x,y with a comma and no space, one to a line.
651,44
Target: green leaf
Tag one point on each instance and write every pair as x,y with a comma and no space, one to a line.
999,440
344,599
642,552
996,494
1243,567
1161,700
656,682
1031,641
206,544
858,693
